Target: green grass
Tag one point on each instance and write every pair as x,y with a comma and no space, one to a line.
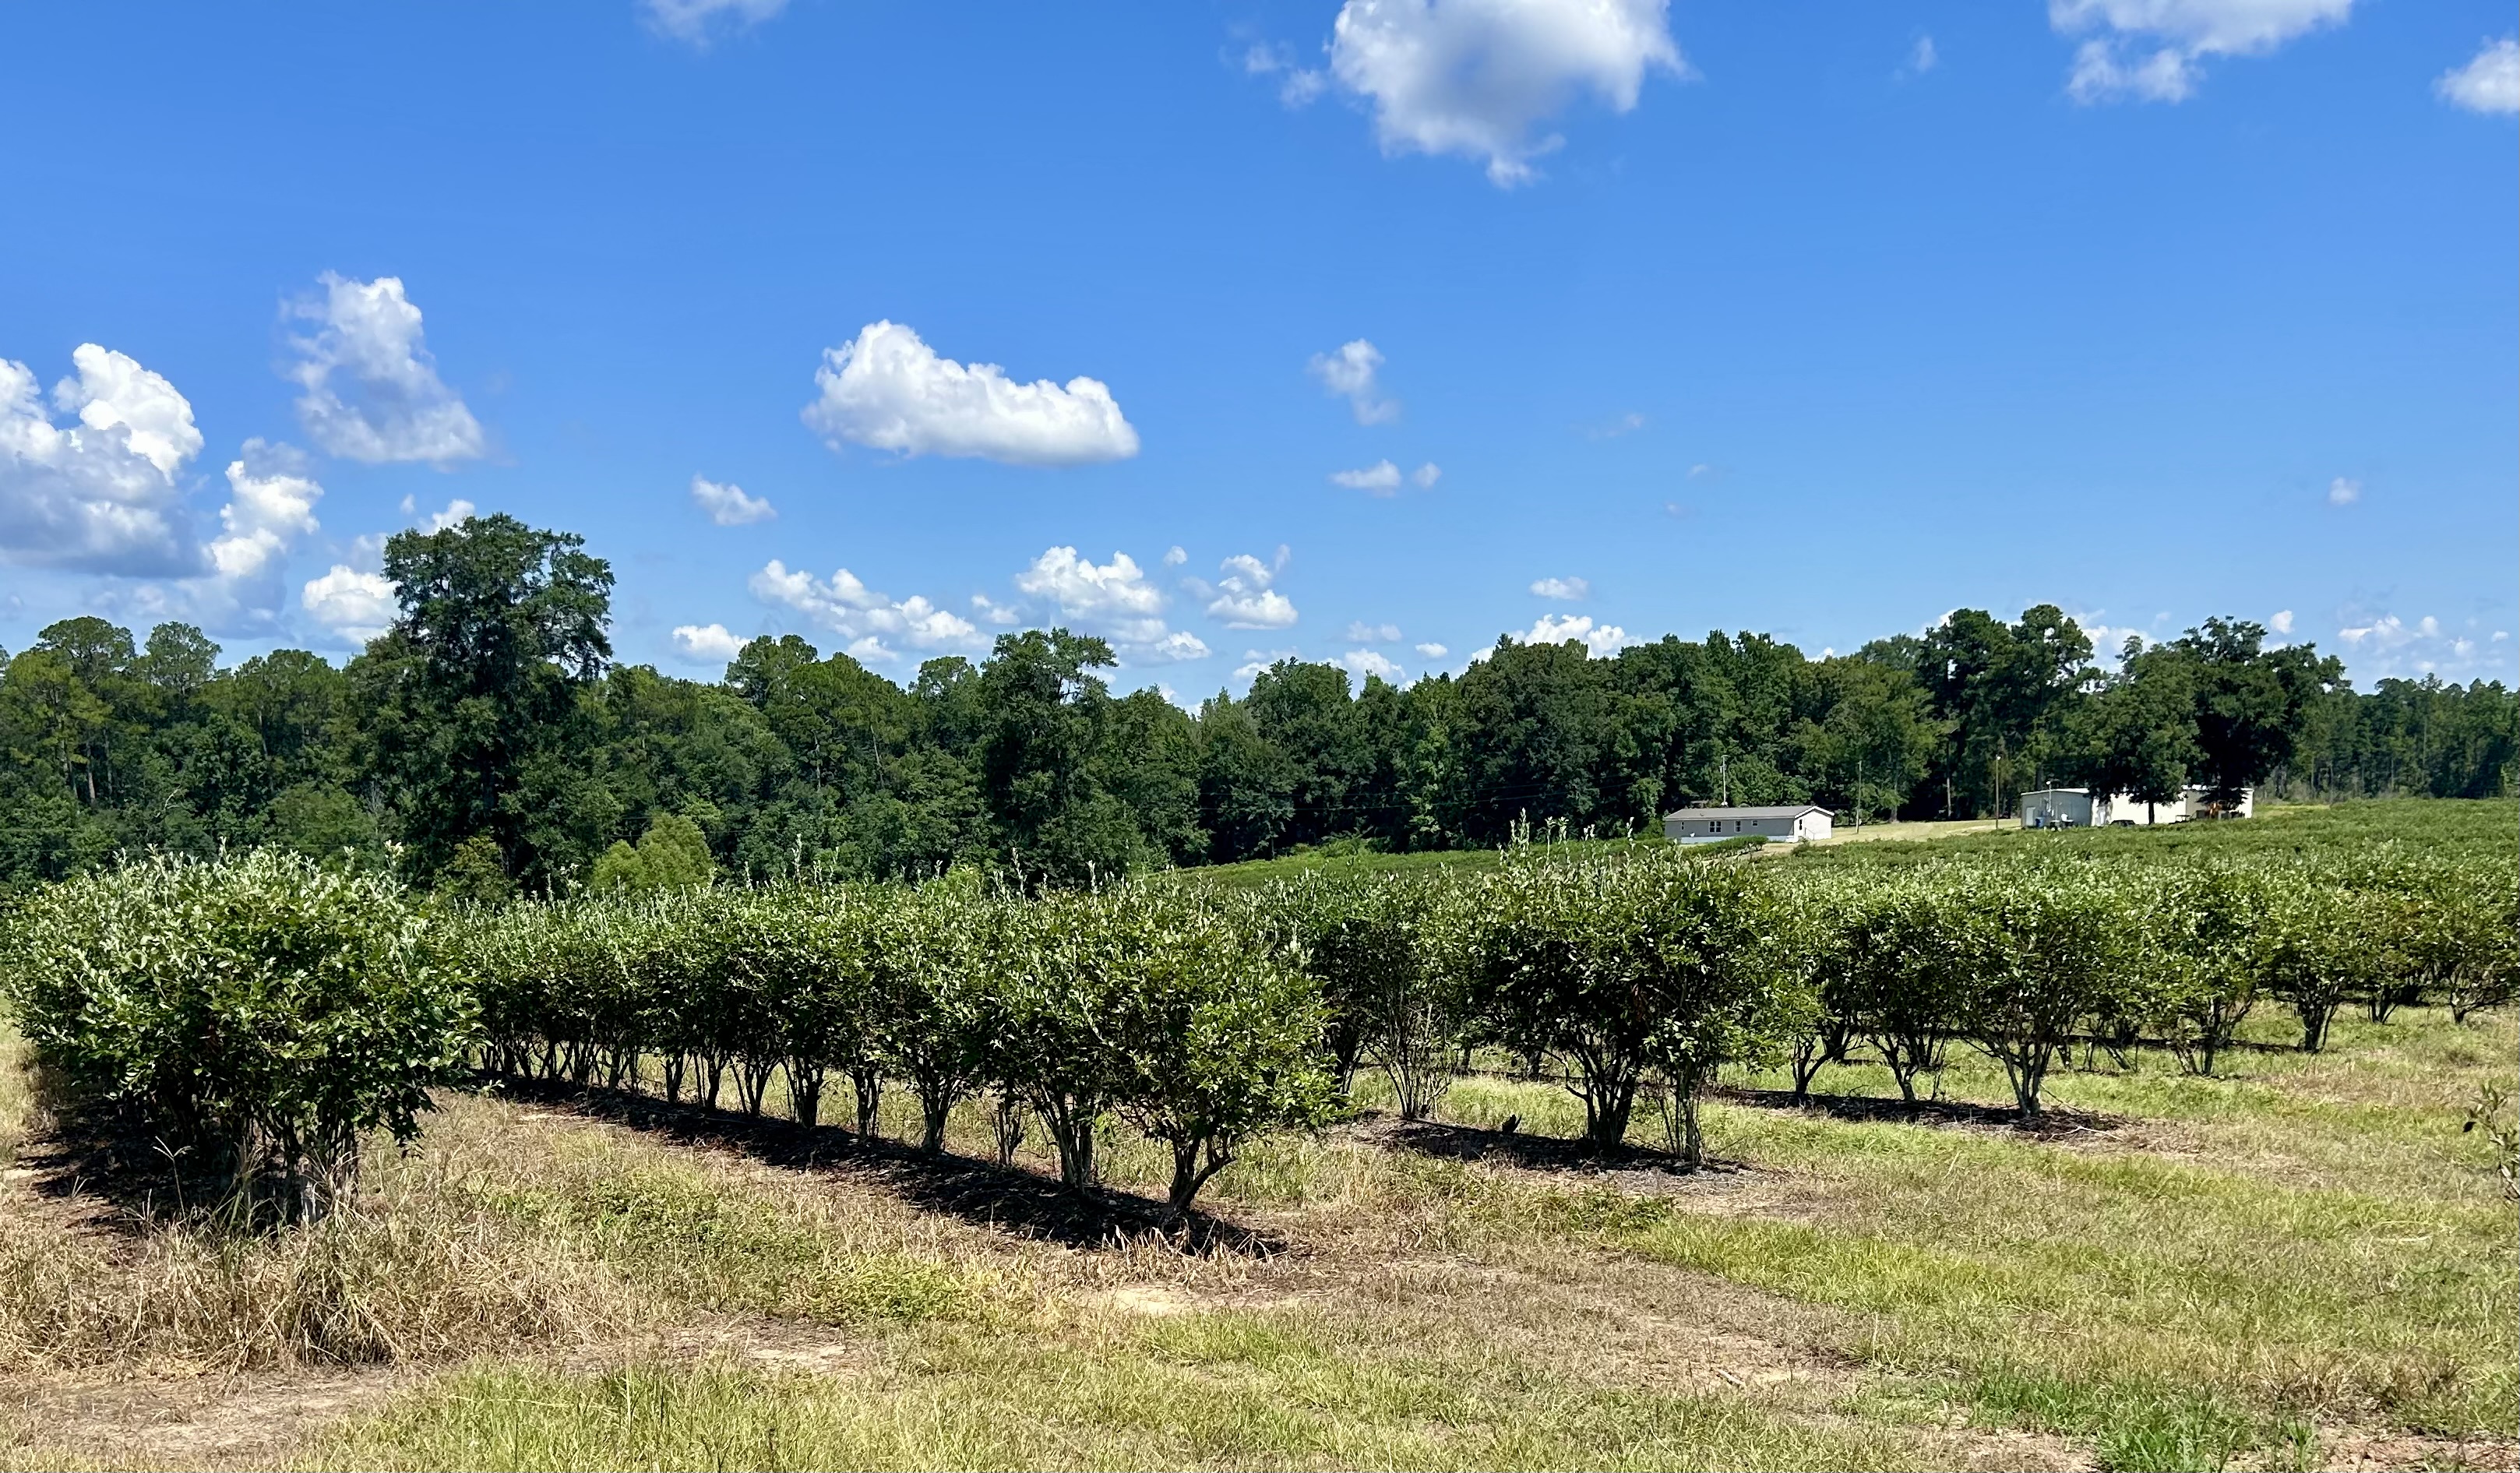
2275,1267
1229,1389
676,1231
2479,828
1350,860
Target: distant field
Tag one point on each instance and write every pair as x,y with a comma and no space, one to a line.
2451,825
2454,825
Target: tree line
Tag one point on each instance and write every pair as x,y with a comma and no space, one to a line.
489,742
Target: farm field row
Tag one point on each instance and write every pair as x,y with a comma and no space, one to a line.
2301,1265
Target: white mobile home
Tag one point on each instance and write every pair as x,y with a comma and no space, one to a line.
2080,808
1790,823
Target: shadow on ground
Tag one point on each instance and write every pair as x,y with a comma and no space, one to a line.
1541,1154
1006,1198
2054,1122
107,1173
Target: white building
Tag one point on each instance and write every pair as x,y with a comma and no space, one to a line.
1704,825
2079,808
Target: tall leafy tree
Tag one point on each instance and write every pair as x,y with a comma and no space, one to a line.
476,692
2249,701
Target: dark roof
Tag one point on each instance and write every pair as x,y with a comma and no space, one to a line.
1789,811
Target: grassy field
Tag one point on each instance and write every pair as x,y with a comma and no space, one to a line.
2304,1264
2457,824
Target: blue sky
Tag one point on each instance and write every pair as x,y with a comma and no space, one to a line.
1818,322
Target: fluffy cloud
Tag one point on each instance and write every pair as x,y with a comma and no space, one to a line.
2490,82
857,613
1175,555
2344,492
1433,651
2148,49
1562,587
2281,621
370,390
1557,629
1363,662
356,606
1113,600
1244,598
1353,373
457,512
1299,85
2384,646
100,495
1256,662
706,644
888,390
1362,633
1382,478
696,22
1478,77
727,505
271,503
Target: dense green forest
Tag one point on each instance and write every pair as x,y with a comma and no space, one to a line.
489,741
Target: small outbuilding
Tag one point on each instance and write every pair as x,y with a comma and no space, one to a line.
1790,823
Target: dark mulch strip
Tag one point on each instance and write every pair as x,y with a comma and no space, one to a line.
1006,1198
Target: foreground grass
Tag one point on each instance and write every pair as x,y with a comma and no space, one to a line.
1219,1389
2274,1267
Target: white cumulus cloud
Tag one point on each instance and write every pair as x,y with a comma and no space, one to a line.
844,606
727,505
698,23
356,606
1432,650
1372,662
2382,646
457,512
1557,629
1480,78
2150,49
1256,662
271,503
1243,599
2344,492
2281,621
2490,80
1380,478
1426,476
1562,587
888,390
369,388
1354,373
706,644
1113,600
100,494
1362,633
